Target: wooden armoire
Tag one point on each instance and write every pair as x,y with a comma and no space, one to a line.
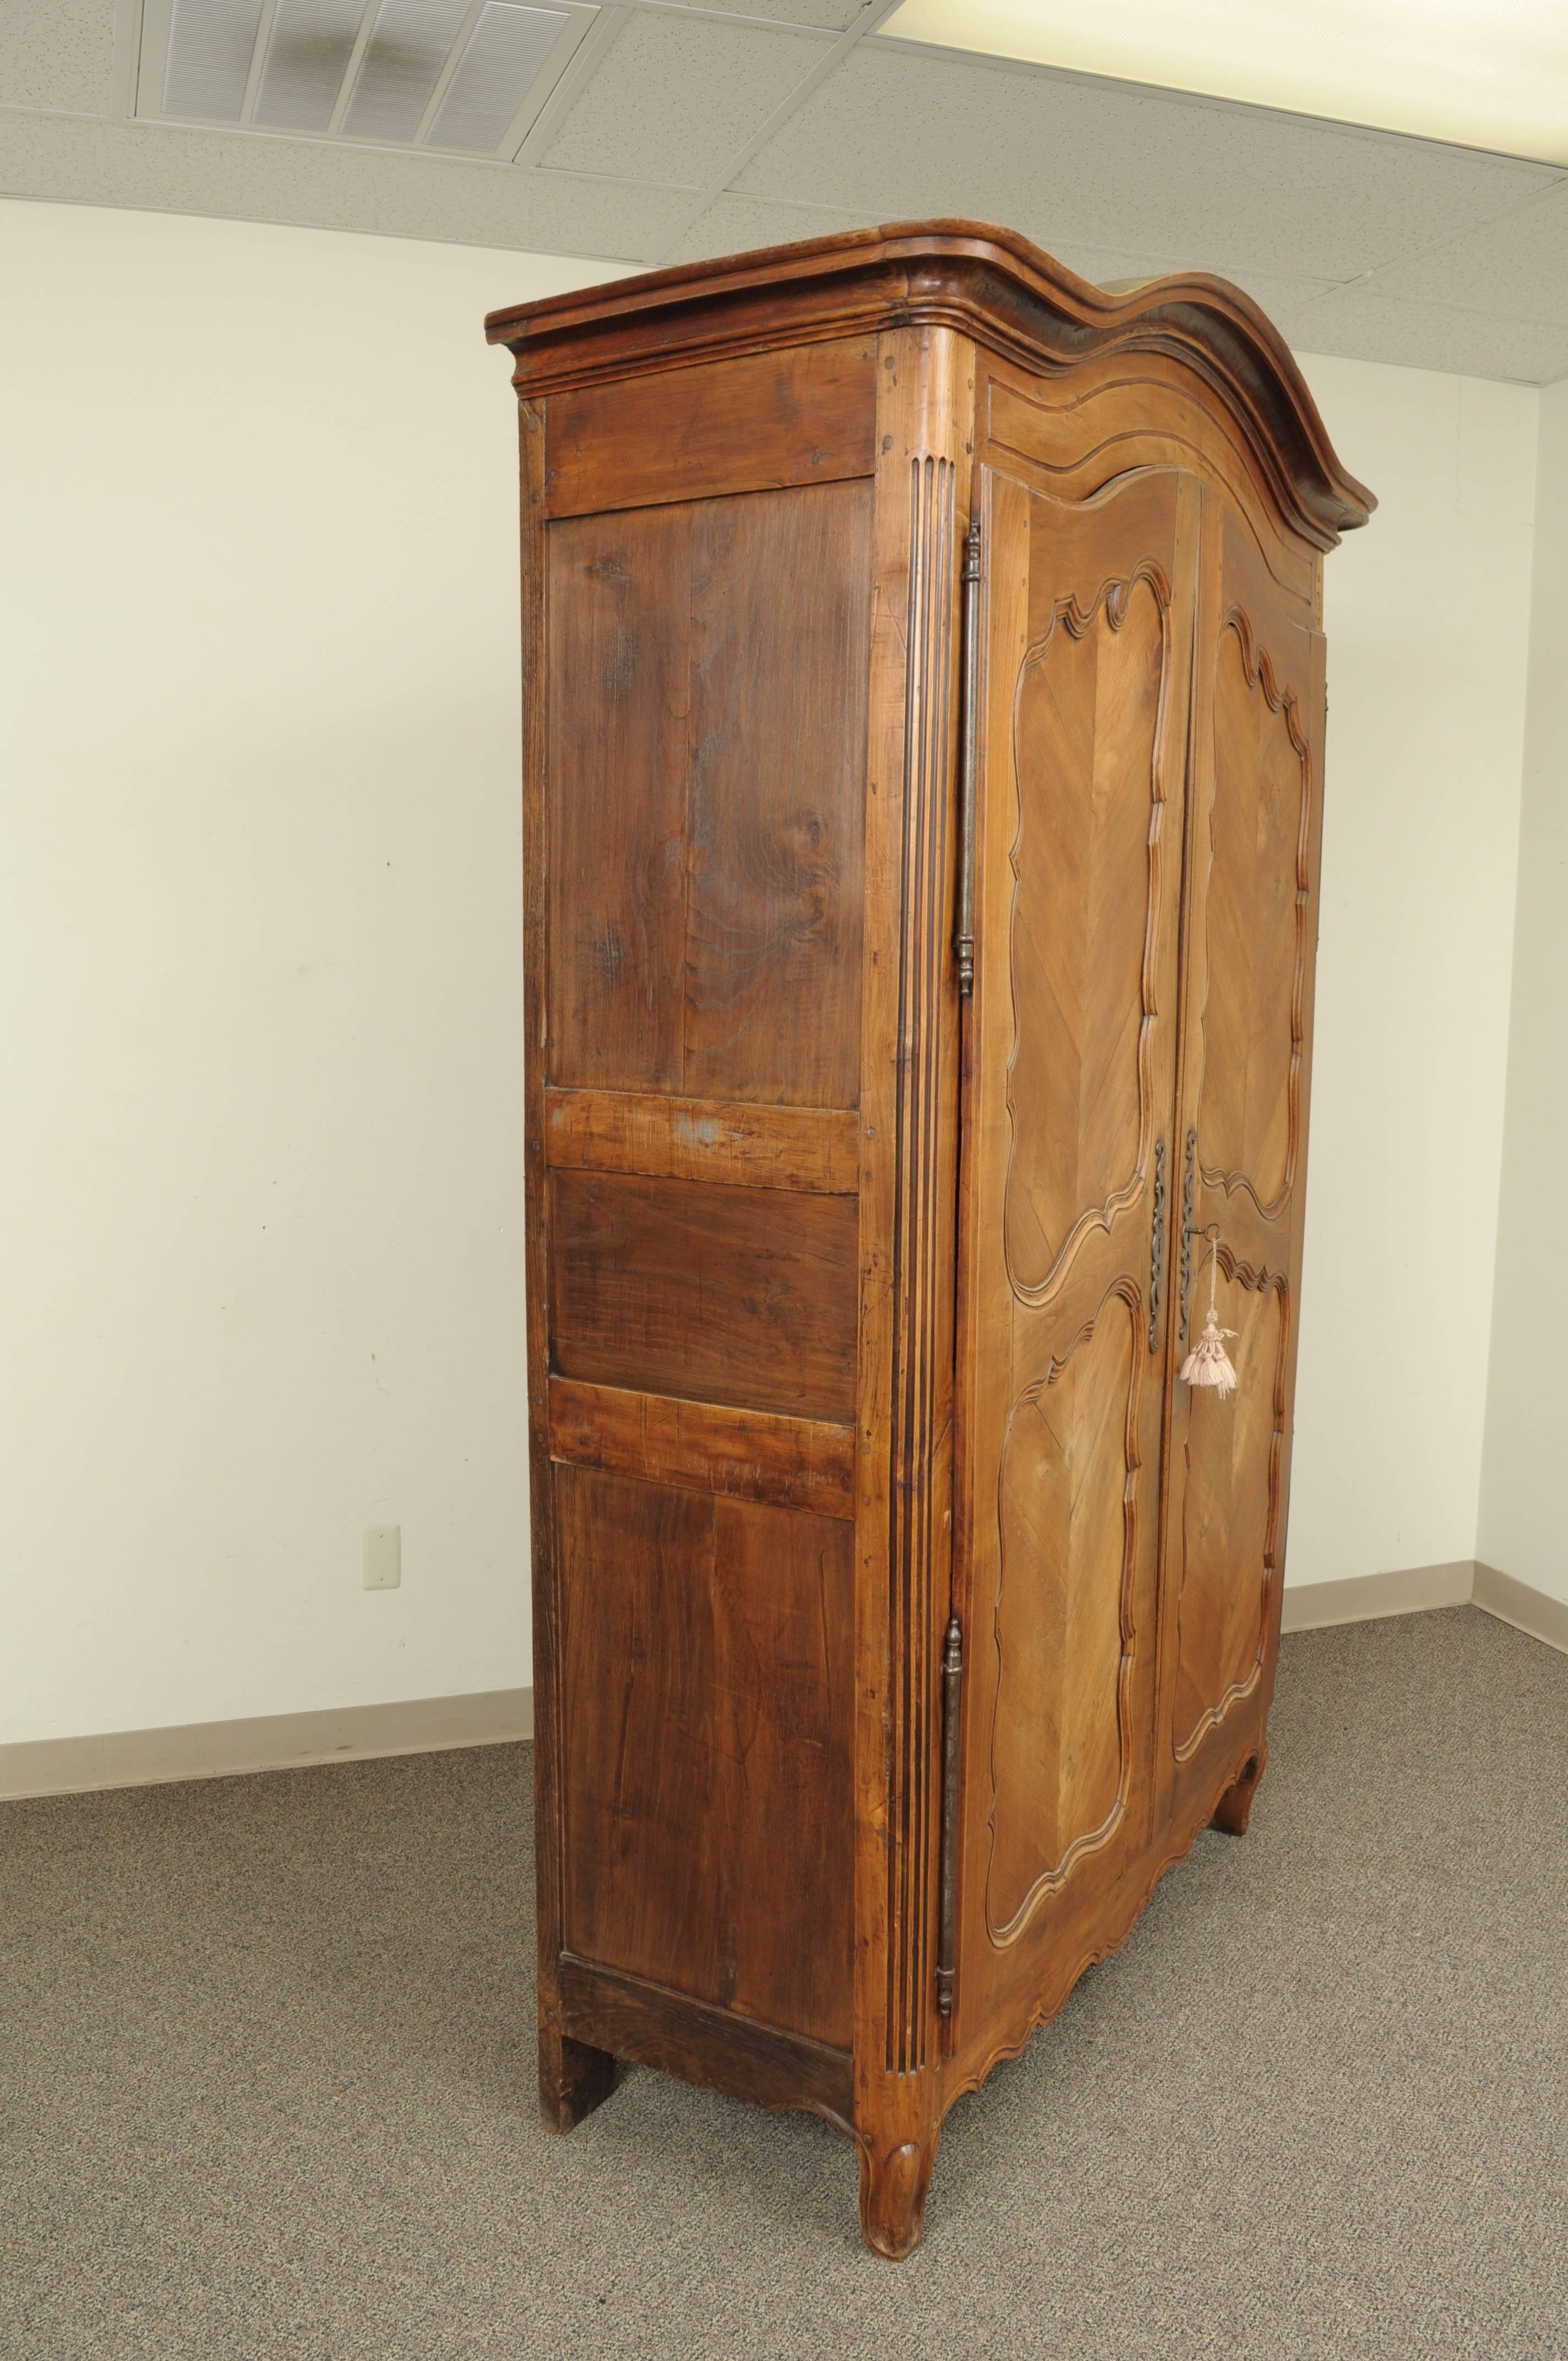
924,729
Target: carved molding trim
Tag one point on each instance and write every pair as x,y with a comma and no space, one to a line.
1124,1291
1196,456
1257,1281
917,1279
984,283
1257,668
1114,596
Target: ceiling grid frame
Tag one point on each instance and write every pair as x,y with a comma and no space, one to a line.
873,13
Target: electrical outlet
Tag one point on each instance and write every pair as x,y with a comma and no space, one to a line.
381,1556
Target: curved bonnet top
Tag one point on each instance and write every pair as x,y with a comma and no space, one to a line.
987,283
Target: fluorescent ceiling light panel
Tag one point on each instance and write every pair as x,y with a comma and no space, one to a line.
210,47
1480,73
505,51
409,46
307,58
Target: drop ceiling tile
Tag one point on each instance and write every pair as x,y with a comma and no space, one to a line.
737,225
1072,161
59,55
676,96
835,16
1518,265
1360,324
173,170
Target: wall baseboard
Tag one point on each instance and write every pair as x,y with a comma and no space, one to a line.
1312,1606
274,1741
1535,1612
359,1733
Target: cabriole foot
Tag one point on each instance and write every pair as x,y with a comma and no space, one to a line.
1233,1809
894,2182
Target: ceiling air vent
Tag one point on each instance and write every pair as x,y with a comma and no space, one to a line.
460,77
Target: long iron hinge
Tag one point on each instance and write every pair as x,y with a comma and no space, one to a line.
1188,1192
948,1929
1156,1245
969,763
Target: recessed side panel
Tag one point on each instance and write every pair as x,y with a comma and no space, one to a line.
620,655
706,1802
705,792
713,1293
800,416
775,792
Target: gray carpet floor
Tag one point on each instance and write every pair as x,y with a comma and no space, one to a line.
266,2080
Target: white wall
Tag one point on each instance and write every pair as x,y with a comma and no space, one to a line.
261,1008
263,1266
1523,1527
1427,613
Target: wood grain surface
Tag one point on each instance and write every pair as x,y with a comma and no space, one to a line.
800,416
706,1773
744,1296
705,792
793,1462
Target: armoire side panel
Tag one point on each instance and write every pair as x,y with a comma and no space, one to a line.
702,824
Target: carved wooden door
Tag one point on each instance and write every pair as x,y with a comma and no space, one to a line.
1066,1187
1255,825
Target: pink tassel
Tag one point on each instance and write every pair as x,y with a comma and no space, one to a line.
1209,1364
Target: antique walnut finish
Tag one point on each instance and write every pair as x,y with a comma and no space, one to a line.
924,779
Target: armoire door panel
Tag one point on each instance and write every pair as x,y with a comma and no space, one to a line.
1228,1456
1068,1499
1090,697
1255,825
1255,925
1067,1119
705,797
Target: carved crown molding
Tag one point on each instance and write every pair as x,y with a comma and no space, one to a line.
987,283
